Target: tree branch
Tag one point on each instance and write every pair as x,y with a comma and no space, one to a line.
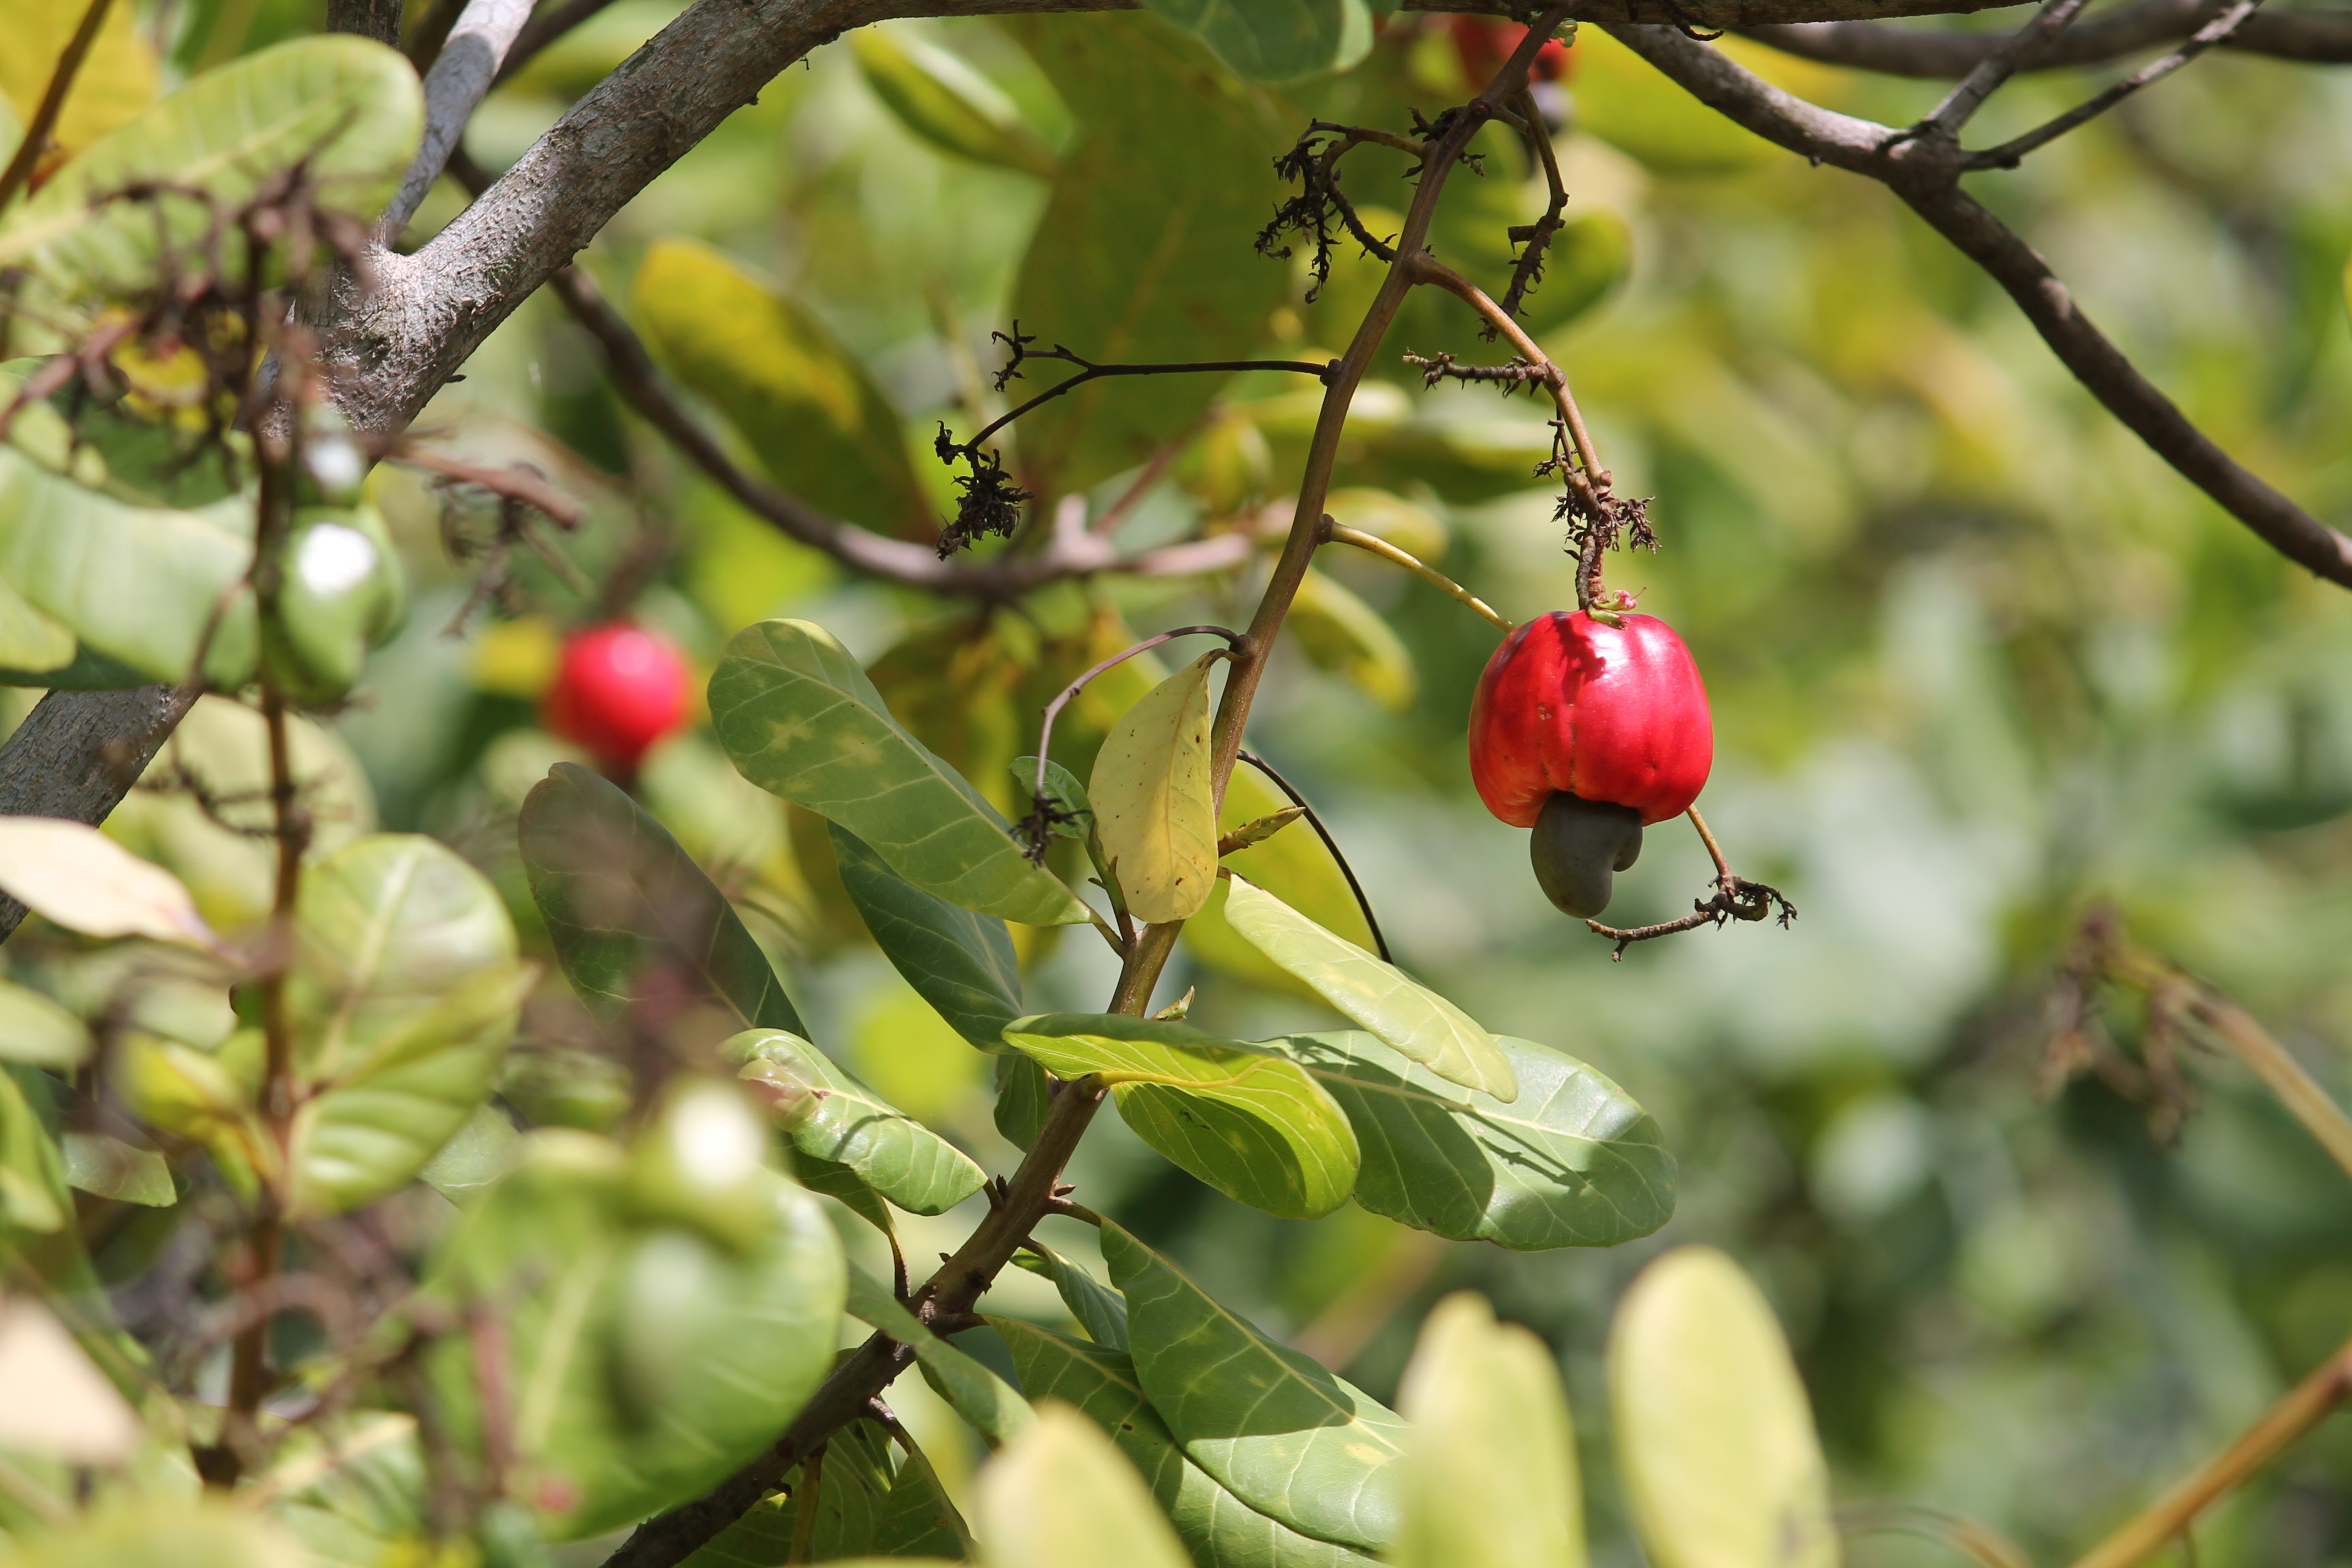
377,19
2001,62
2217,31
461,75
2317,37
1925,172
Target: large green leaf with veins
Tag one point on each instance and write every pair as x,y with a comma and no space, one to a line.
1410,1016
1246,1120
629,911
1217,1528
802,721
832,1117
958,962
1270,1424
1573,1162
406,990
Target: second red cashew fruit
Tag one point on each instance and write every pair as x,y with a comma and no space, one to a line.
1587,732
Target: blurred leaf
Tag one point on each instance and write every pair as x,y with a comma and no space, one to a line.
1275,1428
800,398
1296,866
802,721
1490,1469
75,875
1347,637
1573,1162
1062,1496
31,644
1715,1440
1416,1021
1217,1528
118,80
997,1412
1276,40
41,1248
348,110
1143,252
1064,792
113,1169
958,962
406,991
1153,808
1021,1099
1385,515
634,922
139,1531
342,593
1246,1120
1587,260
1622,99
1099,1309
952,684
33,1195
471,1163
38,1033
59,1406
646,1362
206,1096
833,1117
949,104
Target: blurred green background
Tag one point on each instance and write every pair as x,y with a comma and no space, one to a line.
1977,658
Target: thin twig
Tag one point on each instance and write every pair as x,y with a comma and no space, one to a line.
1340,534
44,124
1371,922
2008,154
2018,49
2313,37
460,79
1735,898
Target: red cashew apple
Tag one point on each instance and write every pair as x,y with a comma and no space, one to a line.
619,689
1587,732
1484,44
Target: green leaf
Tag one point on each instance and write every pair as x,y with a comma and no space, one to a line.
646,1361
1416,1021
348,110
1276,40
946,103
958,962
1064,792
1062,1496
1143,252
833,1117
157,1527
843,1185
1216,1527
800,398
1714,1441
800,720
1023,1098
37,1032
1271,1425
1154,811
405,992
628,909
1244,1119
1099,1309
996,1412
471,1164
1573,1162
113,1169
853,1491
1342,634
1296,866
1490,1470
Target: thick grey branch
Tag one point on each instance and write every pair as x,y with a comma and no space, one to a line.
2317,37
78,753
377,19
461,74
1925,172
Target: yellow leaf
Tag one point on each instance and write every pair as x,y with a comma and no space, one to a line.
117,81
1152,804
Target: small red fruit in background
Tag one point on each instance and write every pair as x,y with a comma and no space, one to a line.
1485,44
619,688
1588,732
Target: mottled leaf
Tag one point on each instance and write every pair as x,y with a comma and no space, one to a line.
1573,1162
1154,811
1271,1424
1062,1496
958,962
1246,1120
832,1117
802,721
1415,1020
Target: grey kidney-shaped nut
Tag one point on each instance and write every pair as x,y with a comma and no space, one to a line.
1577,847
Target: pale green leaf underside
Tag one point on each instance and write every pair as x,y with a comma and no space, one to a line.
960,962
1247,1121
1414,1019
1271,1424
802,721
1573,1162
835,1117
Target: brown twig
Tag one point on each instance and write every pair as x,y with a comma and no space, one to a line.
1735,898
2313,37
514,481
2004,61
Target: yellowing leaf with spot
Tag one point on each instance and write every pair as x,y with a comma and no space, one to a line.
1152,803
1715,1440
81,879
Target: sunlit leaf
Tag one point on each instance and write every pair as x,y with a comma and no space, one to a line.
830,1116
630,913
1490,1468
800,720
1295,865
1347,637
137,1532
645,1360
1218,1528
1062,1496
1099,1309
1247,1121
1415,1020
1276,40
1572,1162
946,103
75,875
995,1410
803,402
1271,1424
1152,805
1715,1440
958,962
